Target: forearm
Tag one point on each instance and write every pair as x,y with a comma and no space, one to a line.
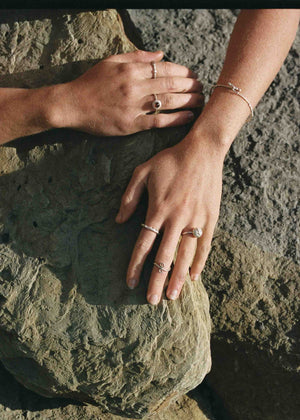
258,46
25,111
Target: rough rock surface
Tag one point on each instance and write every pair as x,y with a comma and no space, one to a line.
68,324
44,47
252,275
255,343
260,191
18,403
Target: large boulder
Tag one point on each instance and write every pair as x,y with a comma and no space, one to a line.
255,309
252,275
18,403
69,326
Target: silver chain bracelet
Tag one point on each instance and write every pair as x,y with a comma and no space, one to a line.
237,91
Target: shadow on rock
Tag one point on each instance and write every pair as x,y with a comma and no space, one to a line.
70,326
14,396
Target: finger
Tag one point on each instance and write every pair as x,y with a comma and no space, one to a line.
171,84
165,255
137,56
165,69
184,259
141,249
203,248
145,122
132,194
175,101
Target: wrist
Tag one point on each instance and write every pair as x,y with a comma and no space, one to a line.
207,136
60,108
220,121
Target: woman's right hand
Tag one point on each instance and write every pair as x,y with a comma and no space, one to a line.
115,96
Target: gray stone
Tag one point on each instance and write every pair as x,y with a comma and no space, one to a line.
252,275
260,191
69,326
254,304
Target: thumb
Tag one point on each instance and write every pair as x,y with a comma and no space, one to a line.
138,56
132,195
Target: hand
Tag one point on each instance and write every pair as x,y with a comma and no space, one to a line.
115,96
184,185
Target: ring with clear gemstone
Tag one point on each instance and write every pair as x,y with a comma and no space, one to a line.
196,232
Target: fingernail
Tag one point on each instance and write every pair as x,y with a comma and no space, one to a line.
190,115
173,294
195,277
153,299
132,283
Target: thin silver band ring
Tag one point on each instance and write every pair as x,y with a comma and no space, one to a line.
156,104
150,228
153,64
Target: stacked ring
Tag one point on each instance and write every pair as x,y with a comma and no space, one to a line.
156,104
195,232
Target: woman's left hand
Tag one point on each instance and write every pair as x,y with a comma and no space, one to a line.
184,185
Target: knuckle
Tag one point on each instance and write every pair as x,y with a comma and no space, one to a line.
131,70
167,68
159,207
155,211
203,250
157,121
167,256
184,253
171,84
143,245
168,101
127,89
173,222
179,280
158,280
126,199
185,201
124,127
140,53
138,170
122,68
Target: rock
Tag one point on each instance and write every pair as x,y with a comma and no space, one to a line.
16,402
260,174
69,326
252,275
43,47
255,341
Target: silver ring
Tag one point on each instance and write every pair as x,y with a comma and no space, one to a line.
156,104
150,228
153,64
196,232
160,267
